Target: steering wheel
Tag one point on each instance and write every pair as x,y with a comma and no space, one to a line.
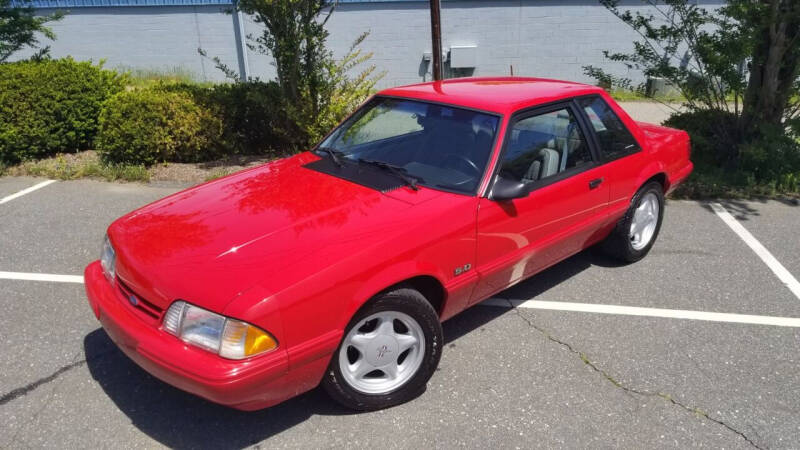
463,159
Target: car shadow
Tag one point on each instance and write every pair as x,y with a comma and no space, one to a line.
741,210
178,419
181,420
557,274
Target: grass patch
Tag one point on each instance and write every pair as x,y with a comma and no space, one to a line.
80,165
88,164
219,173
626,95
138,77
124,172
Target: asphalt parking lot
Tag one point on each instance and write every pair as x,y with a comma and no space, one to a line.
512,374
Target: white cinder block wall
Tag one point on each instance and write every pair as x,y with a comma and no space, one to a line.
161,37
547,38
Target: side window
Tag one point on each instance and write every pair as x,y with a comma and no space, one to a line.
615,139
543,146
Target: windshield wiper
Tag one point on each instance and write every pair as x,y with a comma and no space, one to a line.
335,154
399,172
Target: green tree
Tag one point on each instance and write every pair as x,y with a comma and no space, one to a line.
774,35
19,27
318,90
295,39
699,53
338,94
741,60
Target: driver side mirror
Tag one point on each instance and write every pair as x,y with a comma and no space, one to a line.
504,189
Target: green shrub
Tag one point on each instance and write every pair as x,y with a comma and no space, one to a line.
713,134
254,121
728,165
773,157
258,120
51,106
152,125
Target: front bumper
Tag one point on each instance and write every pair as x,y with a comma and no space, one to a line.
249,384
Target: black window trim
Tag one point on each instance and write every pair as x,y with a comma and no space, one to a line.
601,156
585,127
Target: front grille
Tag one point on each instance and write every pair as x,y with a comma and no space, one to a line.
139,304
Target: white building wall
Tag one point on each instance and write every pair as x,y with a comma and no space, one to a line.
547,38
150,37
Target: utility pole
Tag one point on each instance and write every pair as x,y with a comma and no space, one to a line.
241,46
436,38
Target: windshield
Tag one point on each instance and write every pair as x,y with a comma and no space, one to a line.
438,146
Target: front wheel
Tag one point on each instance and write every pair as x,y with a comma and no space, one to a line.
389,352
636,232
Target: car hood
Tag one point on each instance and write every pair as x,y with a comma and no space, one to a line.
208,244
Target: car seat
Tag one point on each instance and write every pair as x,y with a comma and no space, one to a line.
544,165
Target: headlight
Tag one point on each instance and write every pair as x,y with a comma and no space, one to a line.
108,259
229,338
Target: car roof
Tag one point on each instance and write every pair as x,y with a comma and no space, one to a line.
502,95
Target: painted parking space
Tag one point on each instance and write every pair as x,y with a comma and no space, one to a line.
10,185
45,277
776,224
758,248
513,377
48,237
60,230
13,187
43,325
738,379
697,264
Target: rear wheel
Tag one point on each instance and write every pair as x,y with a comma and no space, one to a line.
636,232
389,352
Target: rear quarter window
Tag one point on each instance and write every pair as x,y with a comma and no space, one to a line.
614,138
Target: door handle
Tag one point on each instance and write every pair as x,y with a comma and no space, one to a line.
594,183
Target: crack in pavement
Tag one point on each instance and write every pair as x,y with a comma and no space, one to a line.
618,384
48,400
24,390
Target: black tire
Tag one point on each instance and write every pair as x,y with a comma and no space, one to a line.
618,243
412,303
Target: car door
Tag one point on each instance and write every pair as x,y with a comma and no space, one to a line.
548,150
617,149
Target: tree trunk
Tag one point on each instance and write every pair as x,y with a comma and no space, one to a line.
774,68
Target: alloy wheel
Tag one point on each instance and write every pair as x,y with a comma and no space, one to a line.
645,220
382,352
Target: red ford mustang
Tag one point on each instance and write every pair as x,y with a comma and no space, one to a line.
338,265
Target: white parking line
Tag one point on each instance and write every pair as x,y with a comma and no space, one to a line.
41,277
646,312
26,191
777,268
